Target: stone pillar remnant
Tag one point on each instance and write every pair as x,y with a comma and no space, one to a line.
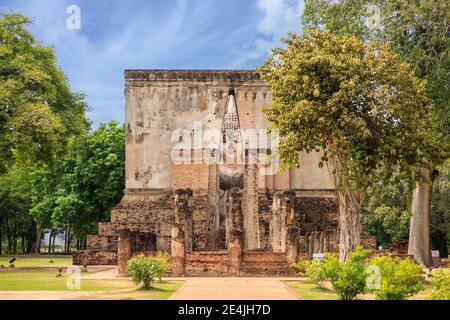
235,243
125,251
276,222
290,228
181,235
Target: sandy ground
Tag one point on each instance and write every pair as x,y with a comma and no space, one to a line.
235,288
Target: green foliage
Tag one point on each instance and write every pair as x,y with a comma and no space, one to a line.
313,269
163,263
301,266
418,32
316,273
144,270
385,209
398,278
365,106
38,111
441,281
84,184
15,221
347,278
440,210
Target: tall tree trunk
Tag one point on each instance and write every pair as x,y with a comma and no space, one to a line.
14,244
349,209
37,247
1,237
419,228
69,240
54,239
50,241
8,236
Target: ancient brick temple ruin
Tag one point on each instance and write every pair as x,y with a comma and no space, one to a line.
213,217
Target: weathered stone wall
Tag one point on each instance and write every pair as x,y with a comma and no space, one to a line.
94,242
370,242
315,211
95,257
161,101
211,262
215,263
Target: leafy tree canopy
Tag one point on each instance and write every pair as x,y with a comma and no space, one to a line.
83,186
38,110
353,100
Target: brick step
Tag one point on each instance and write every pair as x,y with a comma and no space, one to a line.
265,267
265,264
264,256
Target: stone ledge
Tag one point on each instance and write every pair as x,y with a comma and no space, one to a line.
191,75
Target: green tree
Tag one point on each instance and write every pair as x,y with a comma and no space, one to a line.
440,210
82,186
38,111
418,31
358,103
15,221
348,278
386,209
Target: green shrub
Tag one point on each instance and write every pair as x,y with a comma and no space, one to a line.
394,278
315,272
441,281
163,263
143,270
347,278
301,266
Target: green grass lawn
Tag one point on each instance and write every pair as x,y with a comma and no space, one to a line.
120,288
309,291
37,261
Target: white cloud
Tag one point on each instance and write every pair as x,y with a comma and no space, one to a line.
278,18
155,34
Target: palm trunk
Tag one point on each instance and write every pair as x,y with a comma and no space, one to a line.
349,210
419,229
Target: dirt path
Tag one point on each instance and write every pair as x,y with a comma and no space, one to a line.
239,288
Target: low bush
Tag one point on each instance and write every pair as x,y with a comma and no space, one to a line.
441,281
163,263
347,278
301,266
144,270
315,272
394,278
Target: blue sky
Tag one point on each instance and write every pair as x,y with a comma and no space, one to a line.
145,34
